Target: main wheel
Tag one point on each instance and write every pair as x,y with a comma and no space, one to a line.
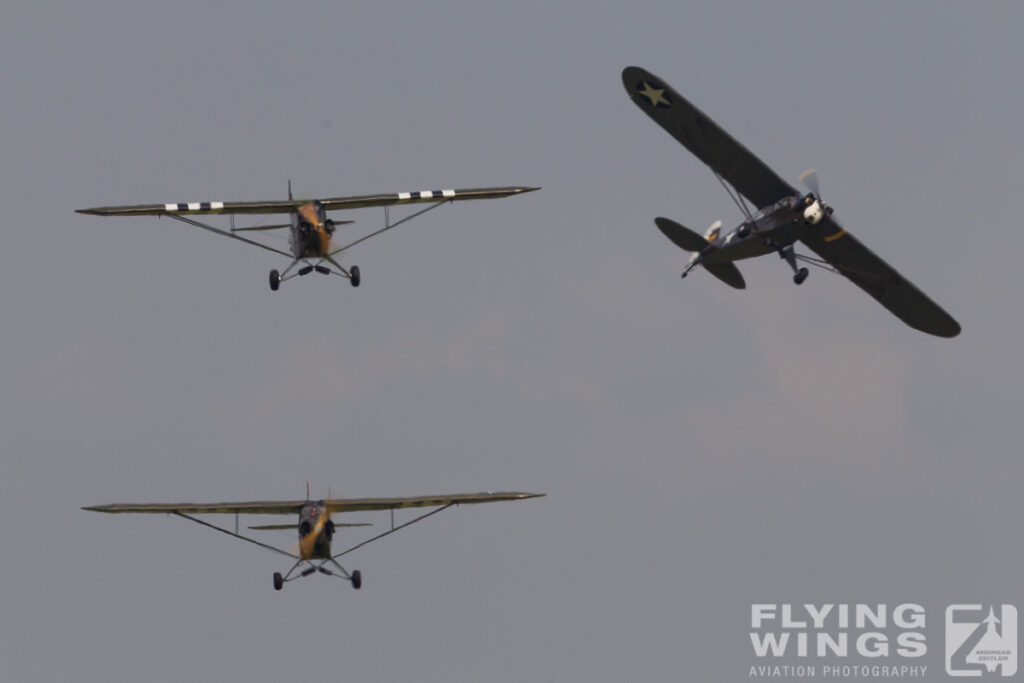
278,581
800,276
354,276
275,280
357,579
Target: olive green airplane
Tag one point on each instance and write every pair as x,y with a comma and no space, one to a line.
315,526
782,216
311,231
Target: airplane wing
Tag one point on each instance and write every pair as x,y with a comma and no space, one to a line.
690,126
289,507
289,205
876,277
255,507
361,504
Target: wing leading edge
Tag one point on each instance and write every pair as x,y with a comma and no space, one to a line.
290,205
287,507
705,139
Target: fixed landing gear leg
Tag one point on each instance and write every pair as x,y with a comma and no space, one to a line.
279,580
789,255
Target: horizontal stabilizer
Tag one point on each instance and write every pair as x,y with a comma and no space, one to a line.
684,238
727,273
258,228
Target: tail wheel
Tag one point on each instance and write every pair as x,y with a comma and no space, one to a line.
278,581
275,282
354,276
357,579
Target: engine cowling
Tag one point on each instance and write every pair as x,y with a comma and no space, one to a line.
815,211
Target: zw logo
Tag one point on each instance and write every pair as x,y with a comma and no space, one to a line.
981,641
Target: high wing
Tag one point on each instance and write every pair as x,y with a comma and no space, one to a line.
360,504
289,507
876,277
705,139
254,507
290,205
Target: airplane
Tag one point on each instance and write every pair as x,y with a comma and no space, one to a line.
311,231
315,526
783,215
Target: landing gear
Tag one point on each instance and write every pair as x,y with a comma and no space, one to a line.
278,581
357,579
787,253
278,278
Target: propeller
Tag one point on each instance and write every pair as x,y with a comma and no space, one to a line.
810,180
307,542
330,224
816,208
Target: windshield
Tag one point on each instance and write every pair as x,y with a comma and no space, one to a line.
788,202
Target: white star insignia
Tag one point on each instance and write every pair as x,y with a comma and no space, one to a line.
655,95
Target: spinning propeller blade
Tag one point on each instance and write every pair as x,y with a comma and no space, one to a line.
810,180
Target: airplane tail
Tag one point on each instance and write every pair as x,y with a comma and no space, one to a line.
687,239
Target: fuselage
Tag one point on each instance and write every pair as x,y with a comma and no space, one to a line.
774,227
311,231
315,531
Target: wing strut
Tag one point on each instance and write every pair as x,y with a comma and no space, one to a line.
388,225
842,270
737,199
232,235
236,535
393,529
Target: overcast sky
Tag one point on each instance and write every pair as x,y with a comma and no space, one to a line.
702,448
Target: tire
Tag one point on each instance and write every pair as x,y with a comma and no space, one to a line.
275,280
800,276
278,581
357,579
354,276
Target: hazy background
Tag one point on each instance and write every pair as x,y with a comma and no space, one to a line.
701,448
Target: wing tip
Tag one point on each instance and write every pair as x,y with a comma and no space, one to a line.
632,74
520,189
949,329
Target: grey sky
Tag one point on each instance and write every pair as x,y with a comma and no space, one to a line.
701,448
